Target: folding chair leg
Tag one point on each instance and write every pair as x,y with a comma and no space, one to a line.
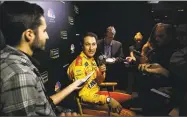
79,105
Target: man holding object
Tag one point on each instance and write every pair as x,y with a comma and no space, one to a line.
22,92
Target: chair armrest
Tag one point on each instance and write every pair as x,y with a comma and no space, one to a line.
108,84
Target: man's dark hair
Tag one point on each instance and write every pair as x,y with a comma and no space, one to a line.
170,31
91,34
18,16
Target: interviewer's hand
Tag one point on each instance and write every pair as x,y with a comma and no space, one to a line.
130,59
154,69
77,84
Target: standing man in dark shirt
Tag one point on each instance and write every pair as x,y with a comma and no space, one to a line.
22,92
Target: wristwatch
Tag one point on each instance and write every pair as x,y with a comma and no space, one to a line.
108,99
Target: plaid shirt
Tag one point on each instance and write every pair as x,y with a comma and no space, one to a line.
21,90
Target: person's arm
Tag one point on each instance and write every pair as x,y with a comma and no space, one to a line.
132,56
145,48
101,74
156,69
77,75
22,95
78,72
58,97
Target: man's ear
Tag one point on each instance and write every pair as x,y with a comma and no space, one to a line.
29,35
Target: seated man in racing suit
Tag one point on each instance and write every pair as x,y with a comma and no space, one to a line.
82,66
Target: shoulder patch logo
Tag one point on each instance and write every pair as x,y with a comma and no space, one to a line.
78,61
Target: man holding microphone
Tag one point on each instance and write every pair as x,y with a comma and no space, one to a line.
82,66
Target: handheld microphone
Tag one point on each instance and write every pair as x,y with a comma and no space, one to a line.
101,60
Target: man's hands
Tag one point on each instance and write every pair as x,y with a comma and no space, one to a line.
101,73
154,69
130,59
77,84
102,68
142,59
115,106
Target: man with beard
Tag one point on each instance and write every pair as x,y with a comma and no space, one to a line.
22,92
153,71
157,52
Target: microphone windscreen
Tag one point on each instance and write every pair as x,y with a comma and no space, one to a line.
101,60
101,57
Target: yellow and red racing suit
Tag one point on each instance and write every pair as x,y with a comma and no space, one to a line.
80,68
